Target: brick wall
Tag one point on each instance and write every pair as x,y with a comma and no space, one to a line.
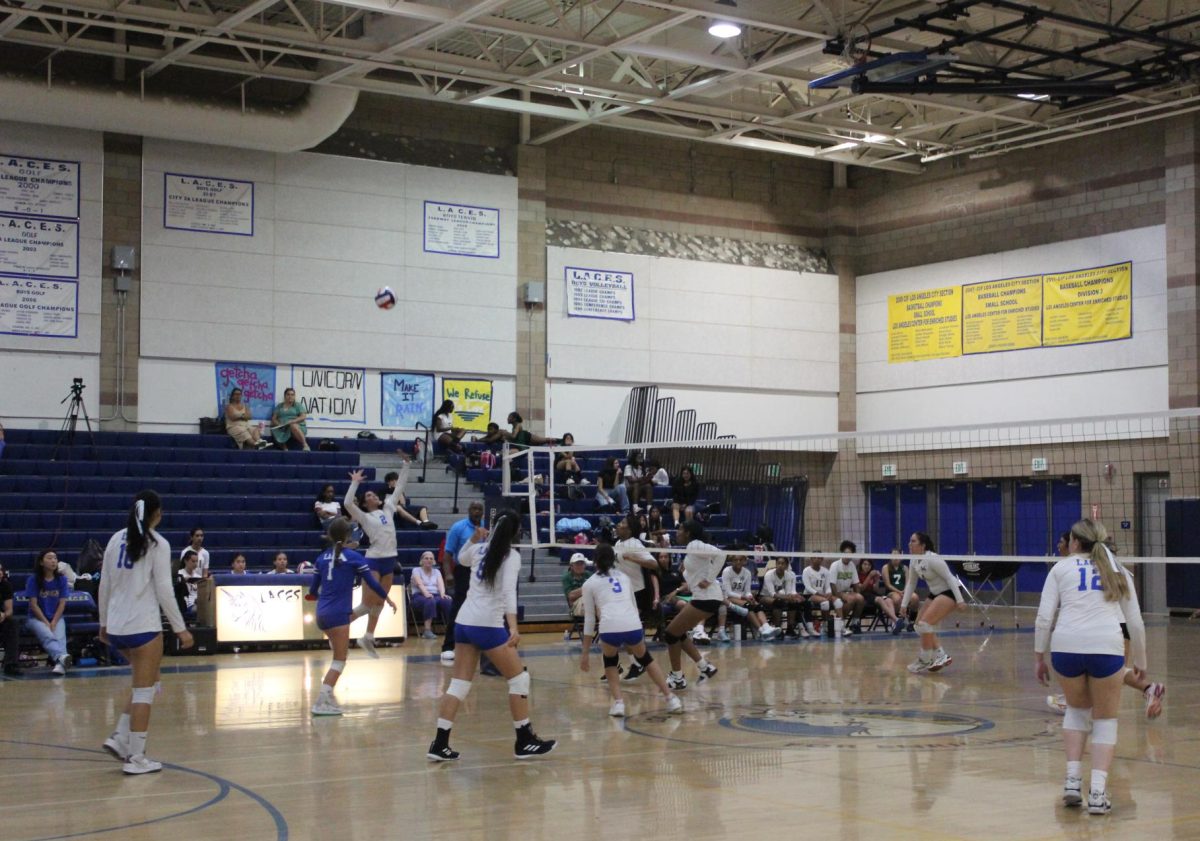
122,226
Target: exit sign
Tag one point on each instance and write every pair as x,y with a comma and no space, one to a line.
1040,466
960,468
889,471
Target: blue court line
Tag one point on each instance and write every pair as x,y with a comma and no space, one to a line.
224,786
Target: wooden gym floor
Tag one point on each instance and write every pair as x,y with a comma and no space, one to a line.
790,739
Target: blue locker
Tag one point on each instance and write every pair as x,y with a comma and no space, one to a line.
914,512
1066,506
881,509
987,518
953,518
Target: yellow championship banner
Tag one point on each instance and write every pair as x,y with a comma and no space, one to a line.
1002,315
1091,305
472,402
925,325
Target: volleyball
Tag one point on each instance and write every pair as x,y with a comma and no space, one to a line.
385,298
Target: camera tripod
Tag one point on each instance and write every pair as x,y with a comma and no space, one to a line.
66,435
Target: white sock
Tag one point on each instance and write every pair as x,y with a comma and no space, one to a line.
676,674
702,663
369,636
1099,780
927,655
939,651
517,725
123,725
1074,770
444,724
137,743
326,692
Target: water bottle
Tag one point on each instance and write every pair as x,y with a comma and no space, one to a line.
737,632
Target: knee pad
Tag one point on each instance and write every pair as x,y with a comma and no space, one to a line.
645,660
337,666
1104,731
838,604
738,610
923,627
1078,718
824,606
672,639
459,688
611,662
519,685
143,695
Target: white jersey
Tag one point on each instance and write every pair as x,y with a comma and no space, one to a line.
816,581
844,575
937,574
703,562
736,584
486,605
612,597
1087,623
202,558
379,524
133,591
773,585
629,552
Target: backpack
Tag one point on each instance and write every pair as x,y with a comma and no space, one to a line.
487,459
91,558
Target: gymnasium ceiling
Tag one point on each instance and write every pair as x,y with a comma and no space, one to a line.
1019,74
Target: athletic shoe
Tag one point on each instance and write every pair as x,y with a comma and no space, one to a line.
428,635
768,632
533,747
441,754
118,746
723,636
811,628
846,632
676,680
1072,791
1058,703
919,666
635,672
857,627
940,662
709,671
674,705
802,633
1154,699
447,656
617,710
604,678
326,708
59,668
66,661
897,627
429,525
141,765
700,636
1098,803
367,644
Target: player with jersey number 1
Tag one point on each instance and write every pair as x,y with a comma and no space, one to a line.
135,584
609,593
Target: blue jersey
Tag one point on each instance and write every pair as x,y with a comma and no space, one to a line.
457,537
333,584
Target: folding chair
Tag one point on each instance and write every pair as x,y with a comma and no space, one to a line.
988,585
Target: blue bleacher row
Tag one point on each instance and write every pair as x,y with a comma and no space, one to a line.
175,499
181,485
54,472
113,520
17,438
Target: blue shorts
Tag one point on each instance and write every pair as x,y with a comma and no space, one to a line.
485,639
383,566
619,639
1069,664
325,621
125,642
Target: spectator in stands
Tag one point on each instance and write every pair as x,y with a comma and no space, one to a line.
566,466
429,594
843,575
196,544
572,582
895,577
238,423
610,488
518,436
494,435
655,528
446,433
288,422
780,599
189,576
10,635
684,492
456,538
407,516
326,508
279,565
47,592
739,598
638,482
1,439
658,474
239,565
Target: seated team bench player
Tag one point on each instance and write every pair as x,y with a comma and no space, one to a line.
779,599
736,580
818,591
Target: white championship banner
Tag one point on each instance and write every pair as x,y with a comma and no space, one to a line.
599,293
208,205
462,229
39,186
47,308
46,248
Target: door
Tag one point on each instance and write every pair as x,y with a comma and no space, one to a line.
881,509
1153,491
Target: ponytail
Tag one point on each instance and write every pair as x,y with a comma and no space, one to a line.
337,534
1092,539
504,530
605,558
138,536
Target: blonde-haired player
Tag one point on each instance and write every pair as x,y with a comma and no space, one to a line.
609,593
1090,594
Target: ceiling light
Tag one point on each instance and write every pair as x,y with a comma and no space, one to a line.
875,138
724,29
841,147
1036,97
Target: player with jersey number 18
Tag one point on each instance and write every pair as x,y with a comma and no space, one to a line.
609,593
135,584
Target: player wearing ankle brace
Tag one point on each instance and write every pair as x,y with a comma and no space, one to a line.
945,596
377,520
333,589
135,585
702,565
1091,595
491,604
610,594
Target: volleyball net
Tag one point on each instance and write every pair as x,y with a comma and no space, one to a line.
993,498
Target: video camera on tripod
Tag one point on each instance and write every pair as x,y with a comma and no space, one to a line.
67,434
